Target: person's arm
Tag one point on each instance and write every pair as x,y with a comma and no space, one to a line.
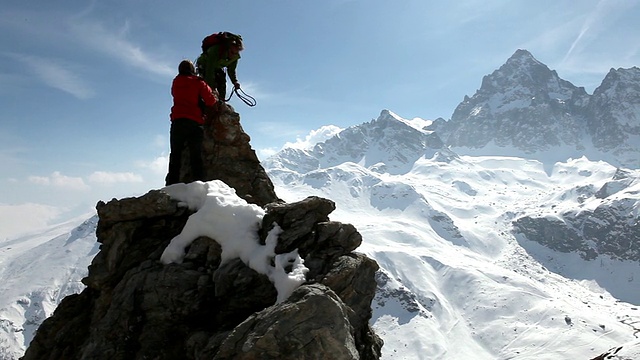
207,95
231,69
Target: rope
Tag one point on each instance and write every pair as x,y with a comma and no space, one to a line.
246,98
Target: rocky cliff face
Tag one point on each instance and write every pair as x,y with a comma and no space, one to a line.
227,155
522,104
134,307
614,108
612,228
527,106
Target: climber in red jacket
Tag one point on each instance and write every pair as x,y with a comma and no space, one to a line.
189,91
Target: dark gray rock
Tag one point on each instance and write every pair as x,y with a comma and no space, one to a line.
134,307
227,155
523,104
312,324
612,228
615,121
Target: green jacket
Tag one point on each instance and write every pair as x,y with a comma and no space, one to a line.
214,59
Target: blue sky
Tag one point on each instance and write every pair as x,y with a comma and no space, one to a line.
84,85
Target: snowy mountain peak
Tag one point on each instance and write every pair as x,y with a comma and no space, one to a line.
523,58
416,123
614,115
525,76
389,141
623,84
630,75
526,106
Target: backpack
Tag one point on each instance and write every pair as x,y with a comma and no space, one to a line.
225,38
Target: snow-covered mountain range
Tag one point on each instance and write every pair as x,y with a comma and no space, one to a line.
526,106
483,257
508,232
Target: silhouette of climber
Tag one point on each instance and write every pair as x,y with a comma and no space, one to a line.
189,91
220,51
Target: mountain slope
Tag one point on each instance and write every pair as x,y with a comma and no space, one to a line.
457,280
37,272
403,142
615,109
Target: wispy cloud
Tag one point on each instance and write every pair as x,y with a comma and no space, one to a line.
104,177
604,13
58,75
57,180
84,30
587,25
113,42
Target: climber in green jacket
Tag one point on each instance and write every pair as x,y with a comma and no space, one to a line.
220,51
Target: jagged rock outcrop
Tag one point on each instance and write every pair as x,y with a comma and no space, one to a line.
135,307
227,155
612,228
522,104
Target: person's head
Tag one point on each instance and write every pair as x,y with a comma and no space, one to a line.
236,45
186,68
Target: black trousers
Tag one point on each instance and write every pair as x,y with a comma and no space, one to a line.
185,133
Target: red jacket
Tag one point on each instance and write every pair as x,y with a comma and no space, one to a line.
187,90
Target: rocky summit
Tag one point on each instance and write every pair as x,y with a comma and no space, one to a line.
527,106
135,307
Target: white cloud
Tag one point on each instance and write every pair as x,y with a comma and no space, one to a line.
104,177
266,152
159,165
314,137
58,75
91,33
39,180
57,180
